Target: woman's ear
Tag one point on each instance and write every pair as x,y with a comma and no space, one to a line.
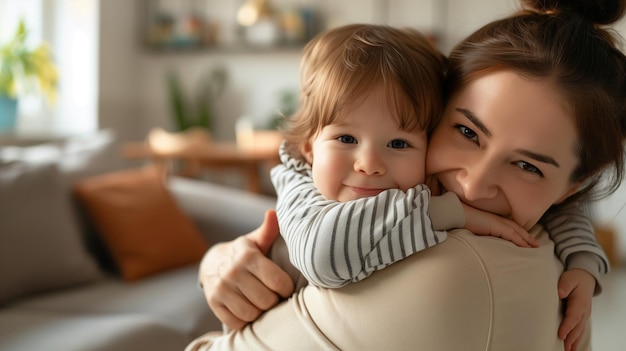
573,188
307,151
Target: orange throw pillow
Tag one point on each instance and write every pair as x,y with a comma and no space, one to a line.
140,222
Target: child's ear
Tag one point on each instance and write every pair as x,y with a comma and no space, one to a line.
307,151
573,188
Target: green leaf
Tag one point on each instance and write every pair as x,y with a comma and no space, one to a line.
176,101
198,110
23,69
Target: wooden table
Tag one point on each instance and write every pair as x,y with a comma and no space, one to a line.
250,161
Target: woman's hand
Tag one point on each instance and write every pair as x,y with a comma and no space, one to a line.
239,281
485,223
576,287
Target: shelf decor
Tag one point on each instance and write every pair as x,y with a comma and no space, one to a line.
253,26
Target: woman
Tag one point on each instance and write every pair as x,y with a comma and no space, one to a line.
535,112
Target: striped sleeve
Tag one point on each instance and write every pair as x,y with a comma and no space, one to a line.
335,243
575,242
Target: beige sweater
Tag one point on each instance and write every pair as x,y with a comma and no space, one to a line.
467,293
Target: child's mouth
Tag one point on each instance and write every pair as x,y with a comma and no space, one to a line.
366,191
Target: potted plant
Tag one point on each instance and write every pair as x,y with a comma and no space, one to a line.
23,70
196,109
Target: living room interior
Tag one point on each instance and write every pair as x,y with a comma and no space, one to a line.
117,61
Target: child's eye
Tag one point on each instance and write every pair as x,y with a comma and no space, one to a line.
347,139
398,144
528,167
467,132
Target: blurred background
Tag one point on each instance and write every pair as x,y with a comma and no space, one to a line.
121,62
135,65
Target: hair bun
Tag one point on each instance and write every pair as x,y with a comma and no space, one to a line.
597,11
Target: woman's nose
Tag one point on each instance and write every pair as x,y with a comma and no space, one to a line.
478,181
370,162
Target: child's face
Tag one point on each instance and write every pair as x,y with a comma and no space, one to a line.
364,152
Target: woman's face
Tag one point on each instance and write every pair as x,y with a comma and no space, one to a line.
506,145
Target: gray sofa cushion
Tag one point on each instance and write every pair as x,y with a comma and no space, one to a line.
222,213
172,298
41,247
28,331
77,157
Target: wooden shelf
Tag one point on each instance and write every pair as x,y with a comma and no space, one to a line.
225,49
173,26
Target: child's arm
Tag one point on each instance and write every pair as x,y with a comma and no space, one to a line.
485,223
334,243
584,261
575,242
477,221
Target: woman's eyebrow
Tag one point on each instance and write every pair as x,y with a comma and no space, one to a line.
539,157
535,156
470,115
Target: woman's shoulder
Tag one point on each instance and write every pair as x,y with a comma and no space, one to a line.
489,292
501,257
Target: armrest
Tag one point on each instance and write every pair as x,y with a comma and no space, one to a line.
221,213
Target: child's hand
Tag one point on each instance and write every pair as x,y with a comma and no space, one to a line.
576,287
485,223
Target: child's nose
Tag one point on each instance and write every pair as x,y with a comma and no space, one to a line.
370,163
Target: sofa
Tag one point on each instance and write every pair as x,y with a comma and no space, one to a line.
65,286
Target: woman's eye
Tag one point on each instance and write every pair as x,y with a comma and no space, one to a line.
398,144
467,132
529,167
347,139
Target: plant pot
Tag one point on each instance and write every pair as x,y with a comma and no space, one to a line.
8,113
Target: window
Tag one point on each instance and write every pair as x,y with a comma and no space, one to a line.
71,28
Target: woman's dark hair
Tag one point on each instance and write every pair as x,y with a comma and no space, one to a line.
562,42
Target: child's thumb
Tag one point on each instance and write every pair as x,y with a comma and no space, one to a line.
565,288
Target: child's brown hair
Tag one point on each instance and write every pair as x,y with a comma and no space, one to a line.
343,64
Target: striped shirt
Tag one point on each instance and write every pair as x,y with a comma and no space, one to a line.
575,242
335,243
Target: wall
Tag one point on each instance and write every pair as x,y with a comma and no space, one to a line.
119,104
132,80
254,83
